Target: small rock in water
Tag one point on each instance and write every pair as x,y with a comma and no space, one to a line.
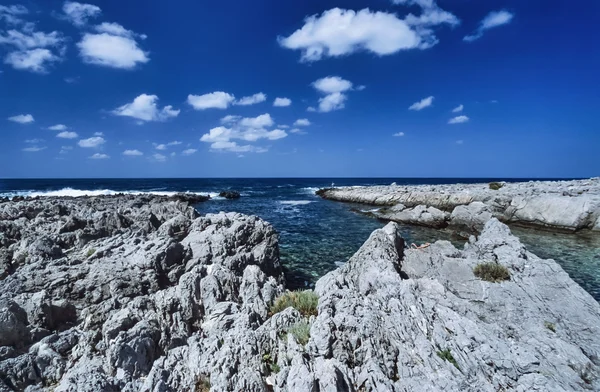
230,194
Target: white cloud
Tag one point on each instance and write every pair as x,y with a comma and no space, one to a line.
422,104
65,149
117,29
67,135
133,153
91,142
11,13
230,119
216,100
161,147
262,121
78,13
282,102
250,129
189,151
159,157
251,100
34,60
302,122
34,141
144,108
332,84
111,51
234,147
298,131
99,156
34,149
58,127
458,120
399,134
458,109
311,109
332,102
174,143
338,32
22,119
98,133
493,19
29,39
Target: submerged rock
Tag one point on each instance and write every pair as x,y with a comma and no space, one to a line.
230,194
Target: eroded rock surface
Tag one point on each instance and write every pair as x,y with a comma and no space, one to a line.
563,205
137,293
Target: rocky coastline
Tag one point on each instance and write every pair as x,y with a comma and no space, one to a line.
568,206
140,293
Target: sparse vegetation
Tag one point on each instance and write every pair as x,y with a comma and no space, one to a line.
446,355
90,252
492,272
273,366
550,326
203,384
300,331
303,301
496,185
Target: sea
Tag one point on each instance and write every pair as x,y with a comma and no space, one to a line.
316,235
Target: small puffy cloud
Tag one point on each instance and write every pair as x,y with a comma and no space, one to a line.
144,108
332,84
116,29
399,134
298,131
422,104
230,119
133,153
34,60
458,120
339,32
58,127
92,142
34,141
216,100
98,133
302,122
67,135
161,147
29,39
99,156
34,149
332,102
458,109
22,119
251,100
174,143
159,157
218,134
262,121
282,102
189,151
234,147
493,19
78,13
11,14
65,149
311,109
110,50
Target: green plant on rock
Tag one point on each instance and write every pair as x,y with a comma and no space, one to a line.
492,272
495,185
272,365
90,252
550,326
203,384
446,355
303,301
300,331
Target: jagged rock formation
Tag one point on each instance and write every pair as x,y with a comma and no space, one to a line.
563,205
141,294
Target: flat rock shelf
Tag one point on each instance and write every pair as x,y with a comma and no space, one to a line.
141,293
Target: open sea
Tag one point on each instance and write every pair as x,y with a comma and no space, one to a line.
315,234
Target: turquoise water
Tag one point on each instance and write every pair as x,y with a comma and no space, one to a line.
316,234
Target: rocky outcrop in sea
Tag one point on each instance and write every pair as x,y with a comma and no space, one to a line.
140,293
554,205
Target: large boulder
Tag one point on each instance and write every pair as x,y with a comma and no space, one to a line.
470,218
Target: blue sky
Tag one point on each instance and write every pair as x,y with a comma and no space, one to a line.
387,88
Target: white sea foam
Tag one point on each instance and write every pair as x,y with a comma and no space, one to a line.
296,202
310,189
70,192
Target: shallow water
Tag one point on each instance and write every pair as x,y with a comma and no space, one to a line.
317,233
